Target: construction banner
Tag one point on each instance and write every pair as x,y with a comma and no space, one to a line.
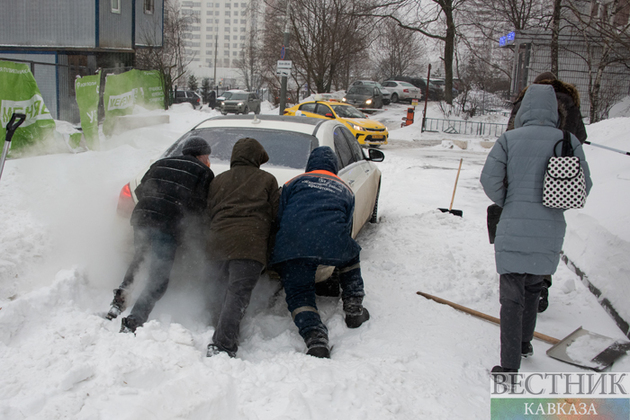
86,89
20,94
126,90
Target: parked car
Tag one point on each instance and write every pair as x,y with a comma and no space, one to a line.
441,83
402,91
226,95
189,96
364,96
386,93
366,131
288,142
241,103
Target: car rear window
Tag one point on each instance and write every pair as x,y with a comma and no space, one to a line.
286,149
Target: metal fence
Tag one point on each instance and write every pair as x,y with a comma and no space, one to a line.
472,128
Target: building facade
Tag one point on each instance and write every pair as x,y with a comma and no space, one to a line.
62,39
217,37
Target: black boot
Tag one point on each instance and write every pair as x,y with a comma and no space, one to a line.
317,344
543,303
527,349
128,325
118,304
356,314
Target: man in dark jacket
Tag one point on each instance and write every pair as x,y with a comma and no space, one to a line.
243,203
529,235
570,119
315,228
173,191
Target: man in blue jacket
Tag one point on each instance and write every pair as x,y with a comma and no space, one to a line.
529,235
315,228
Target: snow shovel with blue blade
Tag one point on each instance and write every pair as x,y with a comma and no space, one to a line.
15,121
581,348
459,213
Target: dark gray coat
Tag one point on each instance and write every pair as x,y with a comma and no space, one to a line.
529,235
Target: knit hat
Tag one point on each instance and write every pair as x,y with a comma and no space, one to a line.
196,146
545,76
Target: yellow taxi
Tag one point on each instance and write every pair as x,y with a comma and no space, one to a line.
367,132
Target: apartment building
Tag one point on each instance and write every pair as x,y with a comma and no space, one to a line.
217,36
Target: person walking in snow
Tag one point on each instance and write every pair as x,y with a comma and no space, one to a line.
171,194
529,235
243,203
570,118
315,228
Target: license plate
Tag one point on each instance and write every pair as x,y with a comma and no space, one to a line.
377,137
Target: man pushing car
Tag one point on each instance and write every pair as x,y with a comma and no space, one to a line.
315,228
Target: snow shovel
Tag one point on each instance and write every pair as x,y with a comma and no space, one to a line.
581,348
607,148
11,127
459,213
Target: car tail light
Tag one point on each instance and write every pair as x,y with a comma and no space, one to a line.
406,90
125,202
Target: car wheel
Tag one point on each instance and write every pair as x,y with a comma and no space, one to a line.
394,97
257,110
224,113
374,217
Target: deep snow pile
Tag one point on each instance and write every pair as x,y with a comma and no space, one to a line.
61,254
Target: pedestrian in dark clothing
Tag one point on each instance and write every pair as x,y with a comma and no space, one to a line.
529,235
243,203
570,118
315,228
212,99
171,194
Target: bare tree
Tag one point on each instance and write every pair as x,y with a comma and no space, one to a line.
398,51
434,19
169,57
604,32
326,36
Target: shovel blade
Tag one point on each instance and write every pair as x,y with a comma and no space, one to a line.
588,350
455,212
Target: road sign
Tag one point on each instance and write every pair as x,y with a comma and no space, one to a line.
282,53
283,72
285,64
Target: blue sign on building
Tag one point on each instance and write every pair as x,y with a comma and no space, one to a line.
507,39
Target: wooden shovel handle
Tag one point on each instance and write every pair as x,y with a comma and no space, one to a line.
481,315
455,187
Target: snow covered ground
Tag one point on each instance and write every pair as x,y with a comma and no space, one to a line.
61,256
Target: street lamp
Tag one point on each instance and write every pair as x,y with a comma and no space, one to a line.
285,47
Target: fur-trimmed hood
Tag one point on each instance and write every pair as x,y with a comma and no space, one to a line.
558,86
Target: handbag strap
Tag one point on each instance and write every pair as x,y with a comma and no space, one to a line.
567,149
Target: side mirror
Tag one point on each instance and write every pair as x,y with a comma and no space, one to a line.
376,155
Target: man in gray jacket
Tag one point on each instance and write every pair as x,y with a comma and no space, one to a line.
529,235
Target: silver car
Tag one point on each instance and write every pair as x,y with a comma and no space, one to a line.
241,103
402,91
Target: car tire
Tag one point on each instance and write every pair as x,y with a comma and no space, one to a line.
257,110
394,97
374,217
224,113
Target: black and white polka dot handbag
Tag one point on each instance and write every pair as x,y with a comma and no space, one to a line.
564,186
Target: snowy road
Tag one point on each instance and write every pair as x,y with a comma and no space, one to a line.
414,359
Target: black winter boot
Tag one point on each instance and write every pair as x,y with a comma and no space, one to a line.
118,304
543,303
128,325
317,344
356,314
527,349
